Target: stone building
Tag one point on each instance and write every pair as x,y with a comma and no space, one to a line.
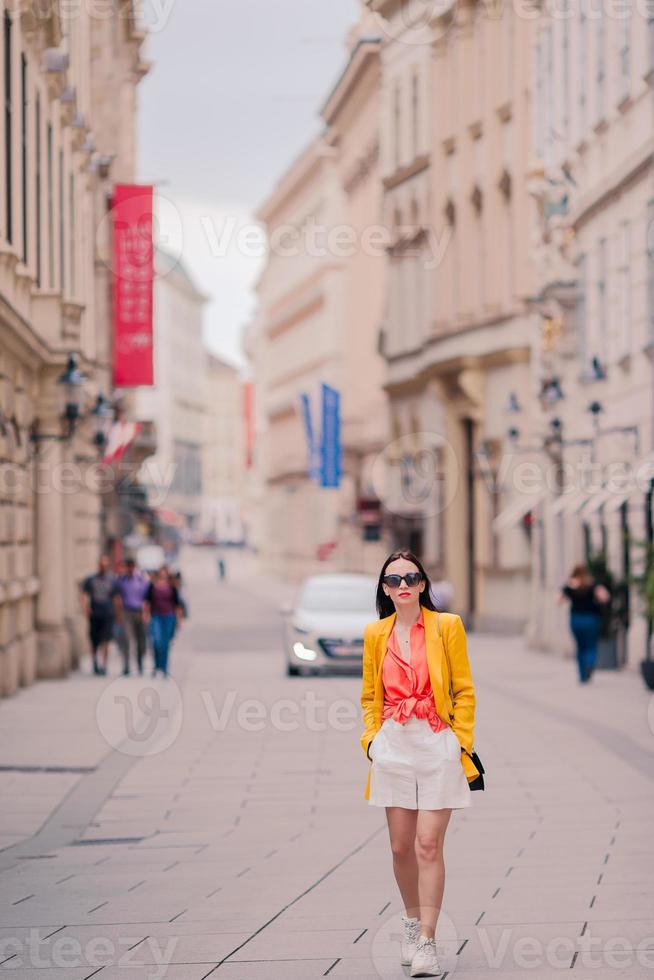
176,404
593,179
224,461
68,81
320,301
456,332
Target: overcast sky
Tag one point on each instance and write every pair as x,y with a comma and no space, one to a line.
232,96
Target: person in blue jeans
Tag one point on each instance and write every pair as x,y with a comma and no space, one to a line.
586,600
163,609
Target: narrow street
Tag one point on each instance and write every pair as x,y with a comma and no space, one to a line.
215,825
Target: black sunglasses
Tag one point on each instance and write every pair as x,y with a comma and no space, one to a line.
394,581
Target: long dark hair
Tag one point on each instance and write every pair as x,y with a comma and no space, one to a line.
385,605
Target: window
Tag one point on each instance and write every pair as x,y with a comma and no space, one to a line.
582,324
188,473
37,178
397,117
23,152
62,226
549,108
600,73
624,296
566,78
415,113
583,61
51,257
602,320
71,232
625,50
9,203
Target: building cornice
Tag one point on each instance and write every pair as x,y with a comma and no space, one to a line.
297,175
364,54
385,7
612,185
405,173
503,340
20,336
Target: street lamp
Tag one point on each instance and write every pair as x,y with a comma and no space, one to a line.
73,382
103,413
514,407
551,391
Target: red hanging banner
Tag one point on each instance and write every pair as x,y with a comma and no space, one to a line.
132,285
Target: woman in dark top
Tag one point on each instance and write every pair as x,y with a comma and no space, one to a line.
586,600
163,609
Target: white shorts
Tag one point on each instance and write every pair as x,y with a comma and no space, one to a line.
415,767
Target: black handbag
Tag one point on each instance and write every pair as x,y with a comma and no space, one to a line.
478,781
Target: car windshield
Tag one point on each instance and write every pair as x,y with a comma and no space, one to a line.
338,597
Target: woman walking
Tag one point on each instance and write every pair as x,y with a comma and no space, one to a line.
418,703
586,600
164,611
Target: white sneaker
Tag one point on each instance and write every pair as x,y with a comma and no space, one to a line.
425,962
410,939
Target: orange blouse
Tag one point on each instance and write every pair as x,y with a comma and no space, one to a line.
407,687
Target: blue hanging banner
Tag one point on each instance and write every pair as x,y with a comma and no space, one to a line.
313,466
330,454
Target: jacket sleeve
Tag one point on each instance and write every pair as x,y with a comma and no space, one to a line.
368,689
463,691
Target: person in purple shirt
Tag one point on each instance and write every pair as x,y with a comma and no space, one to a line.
131,589
164,610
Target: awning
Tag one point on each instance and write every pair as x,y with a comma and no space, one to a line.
597,500
570,502
617,499
517,510
120,436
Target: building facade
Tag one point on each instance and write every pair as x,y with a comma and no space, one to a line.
223,469
351,116
176,402
63,143
320,301
299,340
593,178
456,332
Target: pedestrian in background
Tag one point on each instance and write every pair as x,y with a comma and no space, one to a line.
131,588
164,612
98,592
587,598
177,582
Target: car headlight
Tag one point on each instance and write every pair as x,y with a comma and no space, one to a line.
302,652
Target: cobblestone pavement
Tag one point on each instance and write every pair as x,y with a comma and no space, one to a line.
216,826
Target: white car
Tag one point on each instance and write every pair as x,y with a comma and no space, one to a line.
323,631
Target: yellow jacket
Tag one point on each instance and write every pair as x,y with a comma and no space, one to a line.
457,707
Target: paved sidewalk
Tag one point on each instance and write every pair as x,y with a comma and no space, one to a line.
242,846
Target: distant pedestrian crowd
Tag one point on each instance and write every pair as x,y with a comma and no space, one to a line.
139,612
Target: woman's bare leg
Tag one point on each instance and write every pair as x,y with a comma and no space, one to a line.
402,832
430,837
